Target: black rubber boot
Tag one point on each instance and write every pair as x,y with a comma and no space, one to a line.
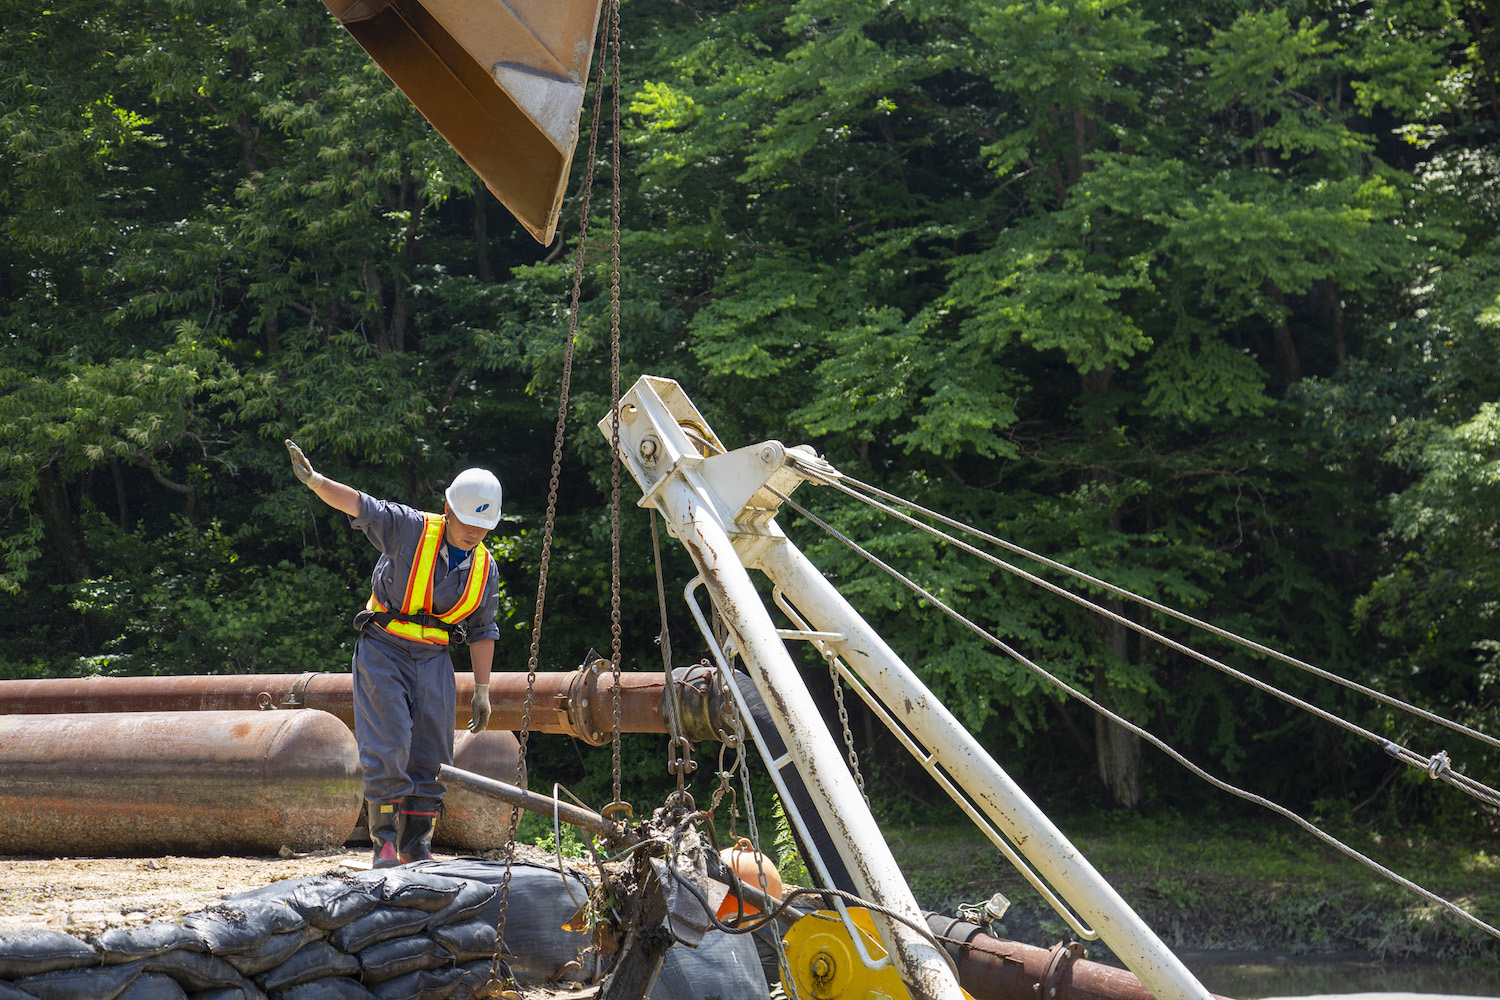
384,817
414,830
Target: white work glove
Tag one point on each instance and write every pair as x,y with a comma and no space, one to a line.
479,708
303,468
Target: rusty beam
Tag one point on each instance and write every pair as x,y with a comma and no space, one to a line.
577,703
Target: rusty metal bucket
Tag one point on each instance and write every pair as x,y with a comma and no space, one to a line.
502,82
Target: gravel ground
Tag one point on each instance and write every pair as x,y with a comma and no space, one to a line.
86,895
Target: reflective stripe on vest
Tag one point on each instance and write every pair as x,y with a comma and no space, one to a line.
418,597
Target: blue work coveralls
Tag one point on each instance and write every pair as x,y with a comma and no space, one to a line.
404,698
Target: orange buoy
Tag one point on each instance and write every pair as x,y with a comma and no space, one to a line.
753,868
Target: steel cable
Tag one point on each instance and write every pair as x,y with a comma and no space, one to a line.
1430,764
1149,737
839,480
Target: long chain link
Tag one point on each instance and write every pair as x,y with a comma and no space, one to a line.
495,984
614,396
838,696
679,748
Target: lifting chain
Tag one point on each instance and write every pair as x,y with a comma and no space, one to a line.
610,35
614,396
838,696
731,737
679,750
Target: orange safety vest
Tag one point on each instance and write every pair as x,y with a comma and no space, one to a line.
418,600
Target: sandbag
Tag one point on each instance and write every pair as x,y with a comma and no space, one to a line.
153,986
99,983
467,941
28,952
380,924
396,957
474,984
281,890
722,967
195,970
119,944
472,898
246,992
428,984
328,902
539,904
405,886
313,961
277,949
330,988
242,925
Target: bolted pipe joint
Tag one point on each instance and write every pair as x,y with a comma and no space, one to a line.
701,701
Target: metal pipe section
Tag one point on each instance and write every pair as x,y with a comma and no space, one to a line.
577,703
147,783
992,968
473,822
699,518
974,770
542,805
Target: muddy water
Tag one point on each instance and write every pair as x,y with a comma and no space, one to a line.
1260,976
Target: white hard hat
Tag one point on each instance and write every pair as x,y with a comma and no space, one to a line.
474,498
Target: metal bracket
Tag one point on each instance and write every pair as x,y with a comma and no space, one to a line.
294,698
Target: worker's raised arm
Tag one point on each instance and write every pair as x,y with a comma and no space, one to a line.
335,494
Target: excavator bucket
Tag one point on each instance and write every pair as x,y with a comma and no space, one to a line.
501,80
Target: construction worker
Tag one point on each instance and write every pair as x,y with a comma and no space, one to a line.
434,584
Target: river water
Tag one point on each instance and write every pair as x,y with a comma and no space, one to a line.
1260,976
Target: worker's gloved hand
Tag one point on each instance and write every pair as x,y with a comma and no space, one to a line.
479,708
303,468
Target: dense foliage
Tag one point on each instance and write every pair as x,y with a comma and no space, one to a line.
1200,297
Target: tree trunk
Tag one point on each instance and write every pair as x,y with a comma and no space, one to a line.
57,516
1333,299
376,296
1118,749
1286,348
122,496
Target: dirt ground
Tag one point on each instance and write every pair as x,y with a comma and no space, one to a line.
83,896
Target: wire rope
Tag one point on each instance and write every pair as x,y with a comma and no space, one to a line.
839,480
1144,734
1437,766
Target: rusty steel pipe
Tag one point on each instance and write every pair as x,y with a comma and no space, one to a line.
147,783
577,703
992,968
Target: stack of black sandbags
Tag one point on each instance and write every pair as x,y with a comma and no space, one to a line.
392,934
418,932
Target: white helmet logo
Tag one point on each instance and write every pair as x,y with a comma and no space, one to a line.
481,508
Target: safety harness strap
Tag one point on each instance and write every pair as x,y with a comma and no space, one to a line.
415,620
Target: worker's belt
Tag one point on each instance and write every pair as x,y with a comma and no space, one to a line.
456,633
